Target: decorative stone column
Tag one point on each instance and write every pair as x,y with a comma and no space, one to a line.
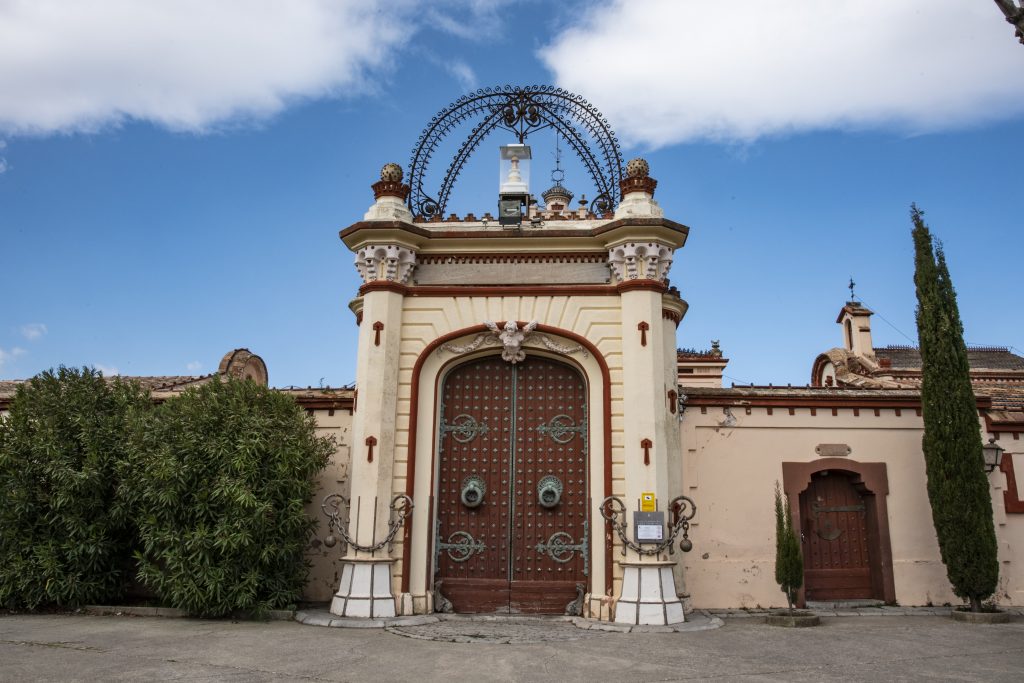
366,577
650,431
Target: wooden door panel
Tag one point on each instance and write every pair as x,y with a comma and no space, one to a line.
474,441
836,539
512,427
540,597
477,595
550,443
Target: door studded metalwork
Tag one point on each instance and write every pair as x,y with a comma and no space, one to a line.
562,429
460,545
514,428
463,428
561,549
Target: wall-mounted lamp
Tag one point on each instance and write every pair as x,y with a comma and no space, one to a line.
993,454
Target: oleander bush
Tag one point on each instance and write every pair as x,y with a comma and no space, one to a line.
221,477
65,536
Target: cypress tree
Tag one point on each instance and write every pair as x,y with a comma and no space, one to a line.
958,489
789,565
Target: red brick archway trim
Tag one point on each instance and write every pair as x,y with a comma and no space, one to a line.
872,477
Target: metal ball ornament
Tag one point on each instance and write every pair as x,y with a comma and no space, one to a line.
391,173
686,545
638,168
330,541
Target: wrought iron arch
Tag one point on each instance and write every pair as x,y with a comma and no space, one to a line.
520,110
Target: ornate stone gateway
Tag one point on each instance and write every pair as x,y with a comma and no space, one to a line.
838,546
511,533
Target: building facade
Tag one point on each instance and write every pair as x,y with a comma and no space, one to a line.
524,436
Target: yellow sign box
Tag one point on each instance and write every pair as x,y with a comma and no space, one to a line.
648,503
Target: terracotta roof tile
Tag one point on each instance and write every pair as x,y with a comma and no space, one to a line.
979,358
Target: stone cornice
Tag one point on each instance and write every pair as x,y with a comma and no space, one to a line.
494,239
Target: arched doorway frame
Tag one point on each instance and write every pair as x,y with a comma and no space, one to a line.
421,466
869,477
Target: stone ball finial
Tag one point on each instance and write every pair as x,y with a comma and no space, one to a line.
637,168
391,173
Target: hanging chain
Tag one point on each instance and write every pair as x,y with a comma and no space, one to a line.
401,506
682,508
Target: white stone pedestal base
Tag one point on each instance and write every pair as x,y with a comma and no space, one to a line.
648,595
365,589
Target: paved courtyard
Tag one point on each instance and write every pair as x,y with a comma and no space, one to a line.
864,648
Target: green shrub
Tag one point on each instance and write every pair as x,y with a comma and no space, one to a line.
64,537
223,473
789,565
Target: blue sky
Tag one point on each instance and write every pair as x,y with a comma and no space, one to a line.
173,176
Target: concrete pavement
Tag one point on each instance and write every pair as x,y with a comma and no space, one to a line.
864,648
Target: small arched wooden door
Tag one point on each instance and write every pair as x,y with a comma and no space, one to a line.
511,532
839,539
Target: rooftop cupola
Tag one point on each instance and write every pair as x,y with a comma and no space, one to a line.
856,322
557,198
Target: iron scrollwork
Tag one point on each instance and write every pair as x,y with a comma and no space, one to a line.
335,506
682,510
459,547
519,110
575,607
825,525
463,428
562,550
562,428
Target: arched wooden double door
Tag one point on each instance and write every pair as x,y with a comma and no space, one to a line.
512,527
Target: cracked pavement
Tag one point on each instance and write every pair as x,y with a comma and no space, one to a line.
892,648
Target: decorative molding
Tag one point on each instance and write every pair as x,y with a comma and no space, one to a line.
513,338
552,345
387,262
513,257
484,338
640,261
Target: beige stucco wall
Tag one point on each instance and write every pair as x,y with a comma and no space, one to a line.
326,570
1010,527
731,472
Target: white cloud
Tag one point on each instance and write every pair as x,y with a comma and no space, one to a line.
666,71
194,366
107,370
184,64
33,331
7,356
475,20
463,73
